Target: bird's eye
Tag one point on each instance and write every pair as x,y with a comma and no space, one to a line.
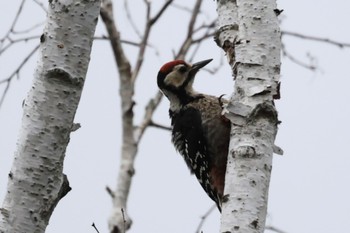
183,69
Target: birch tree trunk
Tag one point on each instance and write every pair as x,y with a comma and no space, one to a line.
248,31
36,182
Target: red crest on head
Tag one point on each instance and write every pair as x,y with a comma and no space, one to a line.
167,67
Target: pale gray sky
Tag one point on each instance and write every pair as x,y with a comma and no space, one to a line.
309,189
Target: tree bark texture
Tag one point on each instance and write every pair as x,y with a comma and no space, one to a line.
119,220
249,33
36,182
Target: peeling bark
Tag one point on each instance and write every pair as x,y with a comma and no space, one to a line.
36,182
248,32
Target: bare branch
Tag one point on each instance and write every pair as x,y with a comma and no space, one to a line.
209,33
131,20
196,49
215,69
203,37
15,72
188,40
12,42
149,23
204,217
160,126
40,4
183,8
117,222
271,228
21,65
110,192
107,16
194,17
189,10
28,29
5,92
13,24
93,225
296,61
103,37
314,38
161,11
7,37
147,119
205,26
20,8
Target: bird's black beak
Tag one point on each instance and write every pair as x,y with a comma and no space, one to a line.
196,66
194,69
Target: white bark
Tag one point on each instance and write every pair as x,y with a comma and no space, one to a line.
248,31
36,182
119,221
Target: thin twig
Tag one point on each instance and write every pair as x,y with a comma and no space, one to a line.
161,11
205,26
24,31
296,61
203,37
215,69
194,17
12,31
189,10
12,42
121,41
271,228
20,65
314,38
20,8
159,126
93,225
188,40
40,5
15,72
107,16
147,119
13,24
5,92
183,8
110,192
204,217
131,20
209,33
149,23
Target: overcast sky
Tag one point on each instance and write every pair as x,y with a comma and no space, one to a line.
309,189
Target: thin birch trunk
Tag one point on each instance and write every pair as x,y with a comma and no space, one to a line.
249,33
36,182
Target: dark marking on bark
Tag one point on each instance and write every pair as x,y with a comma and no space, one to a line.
278,93
60,75
255,224
252,183
264,110
42,38
278,11
131,172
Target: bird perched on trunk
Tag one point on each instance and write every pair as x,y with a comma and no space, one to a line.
199,131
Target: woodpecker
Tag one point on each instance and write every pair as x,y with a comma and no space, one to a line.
199,131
